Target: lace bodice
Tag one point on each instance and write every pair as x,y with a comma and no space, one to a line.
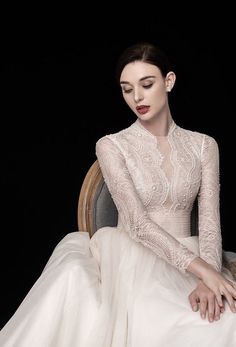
154,181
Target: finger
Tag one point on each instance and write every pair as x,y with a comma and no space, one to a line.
219,299
222,309
217,311
193,299
203,307
230,300
211,307
231,287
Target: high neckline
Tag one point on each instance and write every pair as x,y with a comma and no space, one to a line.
147,132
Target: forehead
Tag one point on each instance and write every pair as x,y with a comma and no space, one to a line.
136,70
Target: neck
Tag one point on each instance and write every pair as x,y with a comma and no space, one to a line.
158,126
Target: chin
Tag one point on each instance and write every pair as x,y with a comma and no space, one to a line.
145,117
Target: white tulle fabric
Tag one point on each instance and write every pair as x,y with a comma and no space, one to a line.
127,286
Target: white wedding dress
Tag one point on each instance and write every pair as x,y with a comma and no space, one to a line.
128,285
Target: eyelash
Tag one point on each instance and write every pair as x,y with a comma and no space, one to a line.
148,86
145,87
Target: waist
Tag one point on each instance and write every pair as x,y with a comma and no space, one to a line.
176,223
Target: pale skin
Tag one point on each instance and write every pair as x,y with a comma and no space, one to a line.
143,84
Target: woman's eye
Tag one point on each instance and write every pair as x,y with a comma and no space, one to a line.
147,86
127,91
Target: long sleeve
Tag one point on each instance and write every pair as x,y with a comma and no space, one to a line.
132,211
210,242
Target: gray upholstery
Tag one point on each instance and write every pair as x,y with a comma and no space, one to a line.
194,219
105,212
104,209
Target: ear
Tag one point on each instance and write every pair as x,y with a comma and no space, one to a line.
170,80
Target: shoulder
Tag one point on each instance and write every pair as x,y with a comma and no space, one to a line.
199,138
115,139
110,144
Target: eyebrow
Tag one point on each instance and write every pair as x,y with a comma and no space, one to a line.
141,79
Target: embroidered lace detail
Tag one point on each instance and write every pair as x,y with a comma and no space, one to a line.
150,176
209,215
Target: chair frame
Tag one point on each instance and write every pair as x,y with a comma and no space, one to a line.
91,183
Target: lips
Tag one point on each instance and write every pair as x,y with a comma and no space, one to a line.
142,109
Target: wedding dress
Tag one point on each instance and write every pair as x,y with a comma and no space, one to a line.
127,286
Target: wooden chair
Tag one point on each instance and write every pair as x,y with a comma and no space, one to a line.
96,208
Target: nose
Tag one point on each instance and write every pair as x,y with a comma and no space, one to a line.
138,96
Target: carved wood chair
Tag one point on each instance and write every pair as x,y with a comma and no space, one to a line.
96,208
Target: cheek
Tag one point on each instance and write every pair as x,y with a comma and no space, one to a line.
158,98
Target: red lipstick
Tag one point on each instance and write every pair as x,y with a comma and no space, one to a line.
142,109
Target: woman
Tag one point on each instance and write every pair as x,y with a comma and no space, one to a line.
140,283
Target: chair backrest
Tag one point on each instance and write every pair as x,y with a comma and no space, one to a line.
96,208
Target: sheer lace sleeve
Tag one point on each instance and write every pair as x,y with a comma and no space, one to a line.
132,211
210,242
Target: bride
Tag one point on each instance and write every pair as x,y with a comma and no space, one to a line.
147,281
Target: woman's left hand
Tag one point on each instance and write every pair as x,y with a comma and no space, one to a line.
204,300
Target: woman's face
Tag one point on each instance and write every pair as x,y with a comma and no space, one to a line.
145,89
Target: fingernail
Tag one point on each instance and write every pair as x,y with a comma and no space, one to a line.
217,318
211,319
203,316
194,308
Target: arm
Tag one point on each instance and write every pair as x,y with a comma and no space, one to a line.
132,211
208,266
208,201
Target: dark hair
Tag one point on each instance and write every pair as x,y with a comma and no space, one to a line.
146,52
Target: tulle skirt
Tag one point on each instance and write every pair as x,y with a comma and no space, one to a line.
110,291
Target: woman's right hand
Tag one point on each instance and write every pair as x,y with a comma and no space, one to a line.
215,281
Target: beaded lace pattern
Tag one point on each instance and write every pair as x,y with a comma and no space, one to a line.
154,181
